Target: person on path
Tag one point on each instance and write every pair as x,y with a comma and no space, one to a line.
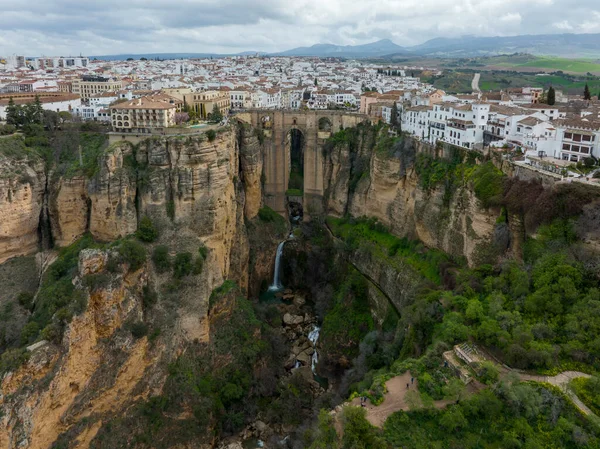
407,386
412,380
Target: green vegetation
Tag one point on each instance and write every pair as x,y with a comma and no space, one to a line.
133,254
183,266
268,215
368,231
514,416
58,300
161,258
146,232
349,320
588,390
358,432
211,135
293,192
458,80
211,380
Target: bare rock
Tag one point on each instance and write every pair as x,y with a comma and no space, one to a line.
299,300
292,320
92,261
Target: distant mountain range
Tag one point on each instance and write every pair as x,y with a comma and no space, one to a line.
374,49
564,45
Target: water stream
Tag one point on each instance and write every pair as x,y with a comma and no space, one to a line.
276,285
313,336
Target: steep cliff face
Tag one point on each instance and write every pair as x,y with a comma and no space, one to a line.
251,168
22,187
388,189
192,191
91,374
69,209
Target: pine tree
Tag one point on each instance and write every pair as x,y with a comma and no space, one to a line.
38,110
12,113
551,98
216,115
586,93
394,118
316,82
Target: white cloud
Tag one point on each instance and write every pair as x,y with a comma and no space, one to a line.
563,25
34,27
513,18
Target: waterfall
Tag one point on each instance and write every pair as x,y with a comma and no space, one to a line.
276,282
313,336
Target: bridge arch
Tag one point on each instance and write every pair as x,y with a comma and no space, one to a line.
295,139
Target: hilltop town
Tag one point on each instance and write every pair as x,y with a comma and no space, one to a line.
150,96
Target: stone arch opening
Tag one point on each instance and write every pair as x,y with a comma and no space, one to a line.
325,124
295,143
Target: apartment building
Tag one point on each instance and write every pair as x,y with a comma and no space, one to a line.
578,139
204,102
144,114
89,85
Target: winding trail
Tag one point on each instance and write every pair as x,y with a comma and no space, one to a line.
395,397
561,381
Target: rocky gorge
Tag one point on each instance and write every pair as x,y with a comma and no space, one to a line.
139,350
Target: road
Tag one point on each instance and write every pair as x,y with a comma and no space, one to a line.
475,82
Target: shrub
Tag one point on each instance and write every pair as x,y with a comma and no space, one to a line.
29,332
203,250
198,265
182,265
138,329
133,254
52,332
211,135
149,297
5,130
25,299
161,258
267,214
96,281
146,232
12,360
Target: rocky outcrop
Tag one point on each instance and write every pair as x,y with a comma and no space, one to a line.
83,377
389,190
113,196
251,168
22,189
68,209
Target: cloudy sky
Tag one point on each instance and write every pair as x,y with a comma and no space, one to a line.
62,27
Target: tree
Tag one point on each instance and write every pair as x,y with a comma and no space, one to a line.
551,99
394,118
327,437
586,93
181,117
216,115
65,116
147,232
13,115
316,82
51,120
130,59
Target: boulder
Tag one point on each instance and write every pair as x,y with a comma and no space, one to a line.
292,320
290,362
304,358
299,300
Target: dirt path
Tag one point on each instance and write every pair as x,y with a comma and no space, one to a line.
561,381
475,82
393,400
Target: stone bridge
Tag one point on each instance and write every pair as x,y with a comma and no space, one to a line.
316,126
